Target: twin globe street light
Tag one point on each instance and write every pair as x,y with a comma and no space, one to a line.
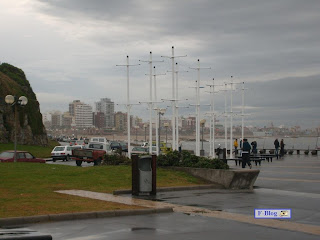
202,123
15,101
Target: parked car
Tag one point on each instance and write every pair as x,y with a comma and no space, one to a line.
99,139
77,142
88,155
139,150
154,150
124,146
22,156
115,145
63,152
144,150
102,146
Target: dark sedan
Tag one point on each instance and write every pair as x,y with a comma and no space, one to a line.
22,156
115,145
124,146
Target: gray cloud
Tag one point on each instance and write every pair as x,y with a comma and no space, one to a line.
271,45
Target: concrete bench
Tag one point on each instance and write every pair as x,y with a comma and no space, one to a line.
266,156
229,179
239,160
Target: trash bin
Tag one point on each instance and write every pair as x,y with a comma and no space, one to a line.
143,175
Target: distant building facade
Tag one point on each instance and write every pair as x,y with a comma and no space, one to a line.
99,120
83,116
120,120
56,119
66,120
106,106
189,122
72,106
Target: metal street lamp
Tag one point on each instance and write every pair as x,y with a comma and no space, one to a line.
136,127
15,101
145,132
166,125
161,111
202,122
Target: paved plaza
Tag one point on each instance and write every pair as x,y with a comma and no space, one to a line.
291,182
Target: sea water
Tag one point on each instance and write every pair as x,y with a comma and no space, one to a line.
300,143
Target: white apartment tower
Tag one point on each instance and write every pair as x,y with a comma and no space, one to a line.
83,116
107,107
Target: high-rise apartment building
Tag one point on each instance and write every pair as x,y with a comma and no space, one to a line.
120,120
72,106
106,106
83,116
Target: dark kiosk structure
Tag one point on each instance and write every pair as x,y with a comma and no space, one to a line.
144,175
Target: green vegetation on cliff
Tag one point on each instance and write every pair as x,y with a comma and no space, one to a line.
14,82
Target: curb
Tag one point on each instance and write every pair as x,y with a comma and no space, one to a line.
123,192
170,189
14,221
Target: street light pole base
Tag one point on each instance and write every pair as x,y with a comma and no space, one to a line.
202,153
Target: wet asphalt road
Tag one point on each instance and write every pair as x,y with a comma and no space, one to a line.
292,182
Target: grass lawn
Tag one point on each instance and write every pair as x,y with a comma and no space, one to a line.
27,189
37,151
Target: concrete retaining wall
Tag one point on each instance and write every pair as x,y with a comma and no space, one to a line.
230,179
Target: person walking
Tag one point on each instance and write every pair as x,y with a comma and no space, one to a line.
276,146
235,144
282,148
246,153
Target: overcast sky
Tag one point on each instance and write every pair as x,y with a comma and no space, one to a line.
69,50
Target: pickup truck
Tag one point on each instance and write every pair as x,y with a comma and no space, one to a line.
88,155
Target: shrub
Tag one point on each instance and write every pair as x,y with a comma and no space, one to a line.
116,159
186,159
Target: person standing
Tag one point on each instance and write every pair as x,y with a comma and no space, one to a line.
282,148
254,147
235,144
246,153
276,146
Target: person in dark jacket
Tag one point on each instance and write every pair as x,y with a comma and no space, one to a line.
246,154
276,146
254,147
282,148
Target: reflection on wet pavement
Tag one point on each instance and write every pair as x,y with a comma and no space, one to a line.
190,210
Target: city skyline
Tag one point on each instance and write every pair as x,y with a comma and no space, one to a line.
69,50
167,119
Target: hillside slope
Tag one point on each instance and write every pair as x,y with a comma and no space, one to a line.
30,129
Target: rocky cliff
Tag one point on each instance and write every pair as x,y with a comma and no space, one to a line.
30,129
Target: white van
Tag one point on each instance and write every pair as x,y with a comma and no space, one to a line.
99,139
